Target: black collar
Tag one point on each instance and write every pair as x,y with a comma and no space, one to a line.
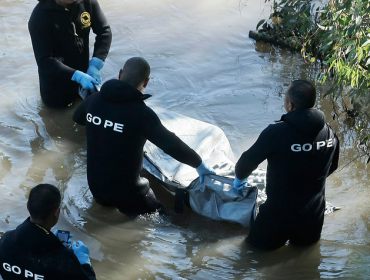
118,91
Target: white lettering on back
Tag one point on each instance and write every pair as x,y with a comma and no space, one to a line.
108,123
118,127
320,144
7,267
308,147
296,148
96,120
16,269
330,143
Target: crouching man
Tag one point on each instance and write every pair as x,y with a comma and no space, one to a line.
302,150
118,123
32,251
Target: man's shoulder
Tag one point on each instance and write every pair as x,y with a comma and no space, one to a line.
330,128
149,109
148,113
7,238
39,13
276,127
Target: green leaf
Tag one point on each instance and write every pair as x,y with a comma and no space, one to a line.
351,29
359,55
313,59
358,21
260,23
366,43
332,64
325,46
349,43
364,140
324,27
324,79
339,64
330,60
352,56
353,80
339,92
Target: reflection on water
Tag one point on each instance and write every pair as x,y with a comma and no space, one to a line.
203,66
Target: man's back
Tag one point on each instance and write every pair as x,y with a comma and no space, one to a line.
118,123
32,252
300,150
305,148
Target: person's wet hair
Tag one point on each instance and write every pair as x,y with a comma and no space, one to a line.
135,71
43,200
302,94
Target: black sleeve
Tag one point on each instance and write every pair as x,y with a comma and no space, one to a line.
79,116
172,145
89,271
43,45
70,268
259,151
335,161
102,30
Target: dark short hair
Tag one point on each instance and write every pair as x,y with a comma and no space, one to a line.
43,200
136,71
302,94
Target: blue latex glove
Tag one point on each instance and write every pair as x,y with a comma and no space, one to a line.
239,184
95,66
204,169
69,238
86,81
82,252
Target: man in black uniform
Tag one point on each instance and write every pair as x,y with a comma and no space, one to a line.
302,150
32,251
59,31
118,123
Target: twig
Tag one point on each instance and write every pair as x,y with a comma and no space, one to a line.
348,163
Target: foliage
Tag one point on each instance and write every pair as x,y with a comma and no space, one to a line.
345,35
291,20
337,35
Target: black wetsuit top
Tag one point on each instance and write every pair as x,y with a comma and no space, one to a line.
118,123
60,40
301,151
32,252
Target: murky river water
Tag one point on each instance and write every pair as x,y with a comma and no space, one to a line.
203,66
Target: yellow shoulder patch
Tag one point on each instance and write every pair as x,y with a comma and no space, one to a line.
85,20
